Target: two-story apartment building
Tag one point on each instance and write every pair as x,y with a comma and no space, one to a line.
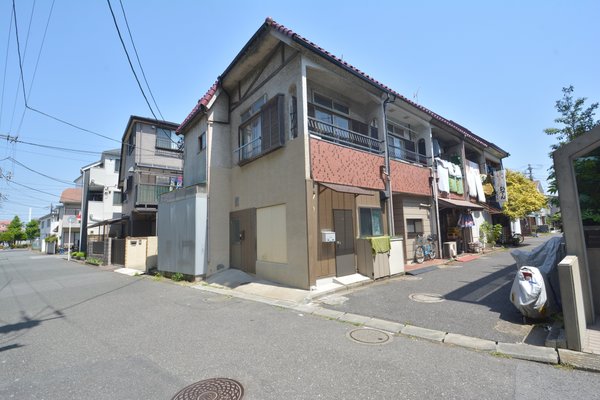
291,143
101,196
151,165
49,226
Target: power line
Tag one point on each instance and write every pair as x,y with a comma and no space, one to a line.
129,58
17,140
5,66
30,188
36,65
22,79
40,173
138,60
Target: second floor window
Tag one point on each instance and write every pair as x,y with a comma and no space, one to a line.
166,139
262,129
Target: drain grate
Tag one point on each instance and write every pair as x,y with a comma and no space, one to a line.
426,297
212,389
369,336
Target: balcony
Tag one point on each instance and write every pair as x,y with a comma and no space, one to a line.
148,195
404,154
345,137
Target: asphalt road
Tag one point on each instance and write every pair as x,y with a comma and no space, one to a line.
476,299
71,331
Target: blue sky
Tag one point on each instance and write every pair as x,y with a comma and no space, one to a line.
496,68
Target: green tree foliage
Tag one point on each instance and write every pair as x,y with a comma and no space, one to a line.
523,196
32,229
14,231
587,174
574,121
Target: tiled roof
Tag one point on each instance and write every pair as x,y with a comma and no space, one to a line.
71,195
203,102
336,60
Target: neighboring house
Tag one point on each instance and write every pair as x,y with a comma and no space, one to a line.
101,197
291,143
4,225
151,165
69,217
49,225
536,221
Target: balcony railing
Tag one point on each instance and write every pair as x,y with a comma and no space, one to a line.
344,136
249,150
399,153
149,194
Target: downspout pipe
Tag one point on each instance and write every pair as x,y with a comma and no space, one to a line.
387,172
434,189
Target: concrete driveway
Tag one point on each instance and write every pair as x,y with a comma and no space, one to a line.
475,299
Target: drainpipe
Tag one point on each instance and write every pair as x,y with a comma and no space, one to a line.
386,157
434,189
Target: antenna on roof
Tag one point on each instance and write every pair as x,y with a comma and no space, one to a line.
416,96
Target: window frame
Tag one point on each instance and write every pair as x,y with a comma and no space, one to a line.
361,226
172,140
202,142
414,232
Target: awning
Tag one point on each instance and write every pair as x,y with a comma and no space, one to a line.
462,204
490,209
346,189
109,222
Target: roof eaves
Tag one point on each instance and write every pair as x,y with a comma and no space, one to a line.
201,106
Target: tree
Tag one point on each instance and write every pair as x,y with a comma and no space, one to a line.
523,196
32,229
575,120
14,231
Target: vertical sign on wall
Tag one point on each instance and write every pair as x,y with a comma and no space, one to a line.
500,186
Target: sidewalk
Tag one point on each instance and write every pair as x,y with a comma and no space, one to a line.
462,304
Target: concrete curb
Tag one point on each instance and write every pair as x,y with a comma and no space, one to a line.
522,351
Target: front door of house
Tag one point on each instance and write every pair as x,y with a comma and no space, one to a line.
242,242
344,245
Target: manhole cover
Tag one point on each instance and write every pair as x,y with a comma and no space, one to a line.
212,389
369,336
410,278
426,297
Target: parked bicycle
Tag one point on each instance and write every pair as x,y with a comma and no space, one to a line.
425,248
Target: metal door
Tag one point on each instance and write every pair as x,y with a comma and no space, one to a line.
242,242
344,245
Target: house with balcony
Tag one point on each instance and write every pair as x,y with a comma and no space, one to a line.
101,198
292,158
151,165
69,217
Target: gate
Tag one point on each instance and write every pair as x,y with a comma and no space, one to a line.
117,252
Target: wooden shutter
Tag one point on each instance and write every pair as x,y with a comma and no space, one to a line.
272,125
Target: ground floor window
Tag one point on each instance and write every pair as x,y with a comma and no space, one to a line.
414,227
371,223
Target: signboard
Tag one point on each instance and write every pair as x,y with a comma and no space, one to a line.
500,186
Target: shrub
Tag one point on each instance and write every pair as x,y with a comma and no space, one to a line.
492,232
94,261
177,276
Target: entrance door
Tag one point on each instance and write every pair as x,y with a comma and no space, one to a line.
242,242
344,245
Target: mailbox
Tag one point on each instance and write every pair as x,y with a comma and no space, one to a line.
327,236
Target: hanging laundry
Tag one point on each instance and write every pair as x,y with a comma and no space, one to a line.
442,175
480,191
465,220
472,175
459,179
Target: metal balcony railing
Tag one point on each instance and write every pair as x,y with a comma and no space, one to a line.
249,150
344,136
149,194
399,153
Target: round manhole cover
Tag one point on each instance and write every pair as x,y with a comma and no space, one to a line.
426,297
369,336
212,389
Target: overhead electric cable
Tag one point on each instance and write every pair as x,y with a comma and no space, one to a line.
30,188
5,67
36,65
22,78
41,173
138,60
129,58
16,140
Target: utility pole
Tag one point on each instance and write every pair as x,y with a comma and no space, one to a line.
530,169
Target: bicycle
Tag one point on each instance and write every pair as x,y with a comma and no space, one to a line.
425,248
